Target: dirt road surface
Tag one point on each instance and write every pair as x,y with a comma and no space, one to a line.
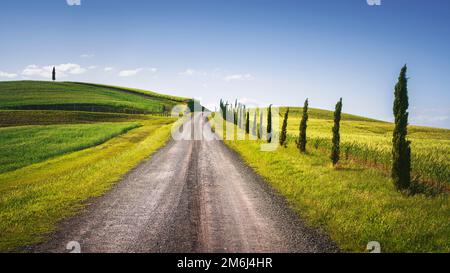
190,196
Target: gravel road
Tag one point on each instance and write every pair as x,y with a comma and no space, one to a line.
190,196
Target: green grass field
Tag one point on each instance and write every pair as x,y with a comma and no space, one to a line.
25,145
42,95
10,118
353,204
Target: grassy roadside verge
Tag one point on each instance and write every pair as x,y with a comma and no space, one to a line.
34,198
354,205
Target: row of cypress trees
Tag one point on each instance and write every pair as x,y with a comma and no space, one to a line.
302,140
240,116
401,147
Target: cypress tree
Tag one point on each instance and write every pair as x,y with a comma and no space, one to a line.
335,150
224,108
54,74
226,112
269,124
191,105
254,128
260,131
401,150
247,124
244,116
301,144
239,114
284,129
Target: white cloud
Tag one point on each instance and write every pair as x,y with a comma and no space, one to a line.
34,70
129,73
109,69
134,72
193,72
239,77
7,75
430,119
187,72
69,68
217,73
62,70
87,56
430,116
252,102
73,2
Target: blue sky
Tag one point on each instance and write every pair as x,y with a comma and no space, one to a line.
260,51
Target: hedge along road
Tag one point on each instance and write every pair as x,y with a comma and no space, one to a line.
190,196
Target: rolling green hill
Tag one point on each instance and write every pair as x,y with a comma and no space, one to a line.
323,114
42,95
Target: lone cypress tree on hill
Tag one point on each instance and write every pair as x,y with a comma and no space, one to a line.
269,124
284,129
335,150
54,74
401,150
301,144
